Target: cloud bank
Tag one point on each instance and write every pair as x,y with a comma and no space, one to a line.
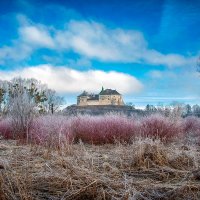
91,40
96,41
66,80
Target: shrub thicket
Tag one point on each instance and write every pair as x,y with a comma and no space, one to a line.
57,130
163,128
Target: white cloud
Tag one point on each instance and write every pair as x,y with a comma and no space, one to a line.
67,80
19,51
91,40
156,74
95,40
36,36
171,60
185,83
31,37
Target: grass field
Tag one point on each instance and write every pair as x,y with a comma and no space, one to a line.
145,169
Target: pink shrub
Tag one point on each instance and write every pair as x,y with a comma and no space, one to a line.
51,131
191,129
191,125
158,126
6,128
54,131
104,129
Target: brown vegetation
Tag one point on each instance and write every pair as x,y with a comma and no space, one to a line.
146,169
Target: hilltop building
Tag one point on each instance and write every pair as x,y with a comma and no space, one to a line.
105,97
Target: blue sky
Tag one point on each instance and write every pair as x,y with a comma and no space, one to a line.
147,50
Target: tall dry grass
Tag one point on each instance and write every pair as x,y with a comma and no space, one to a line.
145,169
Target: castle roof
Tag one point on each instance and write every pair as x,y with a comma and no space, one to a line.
83,94
109,92
96,96
93,97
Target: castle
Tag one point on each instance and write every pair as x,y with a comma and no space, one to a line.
105,97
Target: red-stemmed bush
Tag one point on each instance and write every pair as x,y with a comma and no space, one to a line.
51,131
104,129
6,128
56,130
191,129
160,127
191,125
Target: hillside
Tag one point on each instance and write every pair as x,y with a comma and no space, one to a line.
101,110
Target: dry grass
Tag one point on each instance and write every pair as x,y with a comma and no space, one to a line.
146,169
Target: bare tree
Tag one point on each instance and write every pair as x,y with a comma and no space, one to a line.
53,102
21,111
24,99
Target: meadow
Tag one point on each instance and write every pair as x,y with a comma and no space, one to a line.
101,157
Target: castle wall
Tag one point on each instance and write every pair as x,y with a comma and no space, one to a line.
111,100
82,101
103,100
92,102
116,100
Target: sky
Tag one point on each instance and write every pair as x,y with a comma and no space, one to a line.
146,50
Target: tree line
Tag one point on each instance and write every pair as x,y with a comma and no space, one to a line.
178,109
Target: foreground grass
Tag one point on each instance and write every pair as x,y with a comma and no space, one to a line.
145,169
